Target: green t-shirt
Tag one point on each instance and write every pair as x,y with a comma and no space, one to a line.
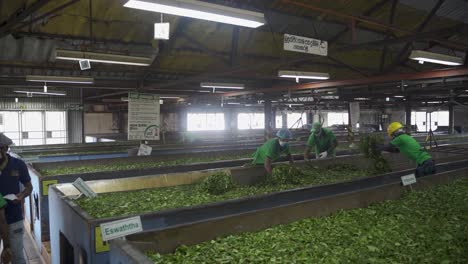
3,202
411,148
271,149
323,142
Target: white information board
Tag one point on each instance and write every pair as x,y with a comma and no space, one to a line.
305,45
408,179
143,116
121,228
84,188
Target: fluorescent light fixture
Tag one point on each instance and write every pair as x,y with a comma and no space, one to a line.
201,10
45,88
435,102
42,93
399,96
59,79
304,75
425,56
361,99
102,57
222,85
169,97
233,103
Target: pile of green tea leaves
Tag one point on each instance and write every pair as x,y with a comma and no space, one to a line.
137,165
144,201
145,165
369,147
428,226
217,183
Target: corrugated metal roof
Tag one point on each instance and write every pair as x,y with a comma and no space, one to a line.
452,9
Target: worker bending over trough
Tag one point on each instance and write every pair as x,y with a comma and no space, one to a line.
272,150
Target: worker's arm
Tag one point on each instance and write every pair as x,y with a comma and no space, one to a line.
25,193
307,153
25,179
6,253
389,148
267,165
333,145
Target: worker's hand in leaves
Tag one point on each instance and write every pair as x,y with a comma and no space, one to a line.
323,155
6,255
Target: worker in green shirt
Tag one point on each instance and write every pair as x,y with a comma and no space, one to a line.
323,140
6,253
408,146
272,150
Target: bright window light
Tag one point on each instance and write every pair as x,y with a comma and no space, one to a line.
279,121
201,10
250,121
426,56
337,119
296,120
205,121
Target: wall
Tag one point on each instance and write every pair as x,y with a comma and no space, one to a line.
98,123
461,117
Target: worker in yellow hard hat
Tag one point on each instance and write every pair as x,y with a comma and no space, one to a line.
408,146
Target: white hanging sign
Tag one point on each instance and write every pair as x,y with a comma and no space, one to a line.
144,150
121,228
161,31
84,188
408,179
143,116
305,45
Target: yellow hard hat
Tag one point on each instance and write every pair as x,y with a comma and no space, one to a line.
393,127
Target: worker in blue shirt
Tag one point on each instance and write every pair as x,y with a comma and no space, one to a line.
13,173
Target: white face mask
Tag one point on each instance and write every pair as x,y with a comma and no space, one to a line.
283,143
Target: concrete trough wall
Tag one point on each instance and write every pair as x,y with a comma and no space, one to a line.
61,203
131,250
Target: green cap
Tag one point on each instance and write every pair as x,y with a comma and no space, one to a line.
315,126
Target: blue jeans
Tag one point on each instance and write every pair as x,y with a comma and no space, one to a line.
16,233
426,168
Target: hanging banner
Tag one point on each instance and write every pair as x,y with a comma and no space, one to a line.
355,110
143,116
305,45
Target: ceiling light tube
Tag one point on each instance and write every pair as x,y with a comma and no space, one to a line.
426,56
201,10
222,85
42,93
59,79
102,57
304,75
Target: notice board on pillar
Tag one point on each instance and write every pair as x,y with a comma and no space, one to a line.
143,116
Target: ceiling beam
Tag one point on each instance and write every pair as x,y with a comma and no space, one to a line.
403,54
15,19
360,81
363,19
368,12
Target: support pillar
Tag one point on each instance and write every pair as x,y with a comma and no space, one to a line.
451,128
268,118
408,116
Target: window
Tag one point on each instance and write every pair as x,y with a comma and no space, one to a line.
34,127
434,120
296,120
250,121
56,132
205,121
10,126
337,119
279,121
